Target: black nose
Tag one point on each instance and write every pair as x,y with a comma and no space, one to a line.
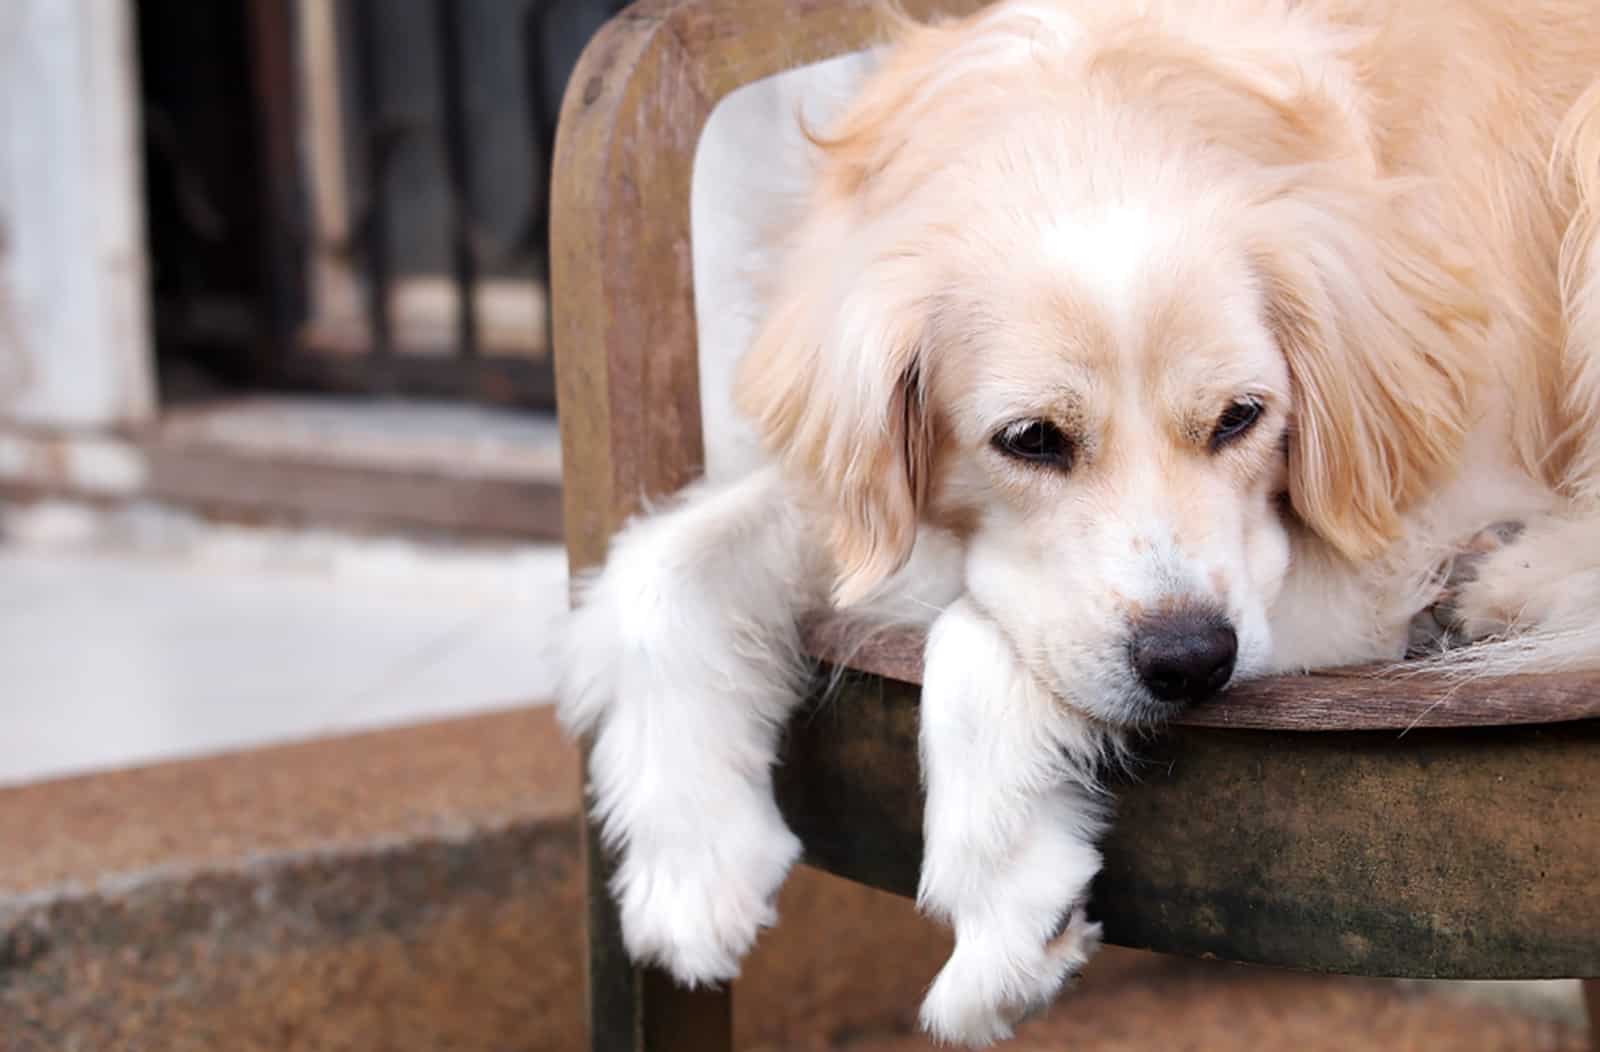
1184,655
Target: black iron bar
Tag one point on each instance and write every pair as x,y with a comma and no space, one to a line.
458,169
379,149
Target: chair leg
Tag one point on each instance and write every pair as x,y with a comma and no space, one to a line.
641,1009
673,1019
1591,998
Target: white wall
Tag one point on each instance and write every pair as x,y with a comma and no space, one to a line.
74,308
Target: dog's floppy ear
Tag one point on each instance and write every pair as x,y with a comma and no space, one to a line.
837,385
1379,327
838,379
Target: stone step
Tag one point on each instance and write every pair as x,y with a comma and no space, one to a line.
398,890
1129,1001
418,889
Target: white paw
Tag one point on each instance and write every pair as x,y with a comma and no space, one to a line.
695,905
989,985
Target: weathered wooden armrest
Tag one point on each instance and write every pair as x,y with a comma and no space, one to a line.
1401,840
1357,699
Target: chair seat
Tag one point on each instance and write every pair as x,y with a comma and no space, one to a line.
1356,699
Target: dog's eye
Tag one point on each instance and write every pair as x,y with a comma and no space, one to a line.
1036,441
1234,423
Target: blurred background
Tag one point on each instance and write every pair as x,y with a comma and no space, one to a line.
280,566
273,296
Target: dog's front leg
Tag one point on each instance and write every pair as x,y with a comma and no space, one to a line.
682,663
1013,811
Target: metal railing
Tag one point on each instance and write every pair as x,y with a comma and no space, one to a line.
367,300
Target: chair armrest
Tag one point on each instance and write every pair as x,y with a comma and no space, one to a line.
1356,699
1446,853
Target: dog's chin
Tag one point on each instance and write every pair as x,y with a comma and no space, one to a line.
1118,701
1147,712
1156,713
1129,708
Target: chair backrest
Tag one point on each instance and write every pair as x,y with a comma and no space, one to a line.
623,261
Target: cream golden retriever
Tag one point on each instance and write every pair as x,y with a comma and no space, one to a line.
1139,348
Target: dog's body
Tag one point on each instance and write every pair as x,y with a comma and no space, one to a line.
1136,348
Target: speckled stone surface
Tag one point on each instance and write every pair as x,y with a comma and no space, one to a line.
1129,1001
418,890
441,779
406,889
410,889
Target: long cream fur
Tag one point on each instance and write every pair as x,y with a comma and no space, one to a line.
1375,225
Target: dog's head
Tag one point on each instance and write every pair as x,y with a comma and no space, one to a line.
1121,312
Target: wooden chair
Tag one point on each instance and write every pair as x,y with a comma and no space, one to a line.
1338,822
